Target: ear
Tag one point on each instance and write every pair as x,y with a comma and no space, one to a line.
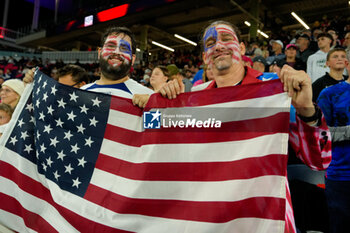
327,63
242,47
133,59
99,52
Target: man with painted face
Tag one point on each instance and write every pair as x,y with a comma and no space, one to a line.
116,58
309,133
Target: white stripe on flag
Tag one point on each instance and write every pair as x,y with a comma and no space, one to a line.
258,147
191,191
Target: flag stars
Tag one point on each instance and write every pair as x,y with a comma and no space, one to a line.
53,141
20,123
37,103
45,96
67,135
44,166
59,123
45,83
82,162
93,121
61,155
32,119
38,90
50,110
88,142
61,103
38,134
13,140
30,107
76,182
69,169
75,148
47,129
81,128
49,161
71,116
53,90
28,148
41,116
56,175
24,135
42,148
83,109
73,97
96,102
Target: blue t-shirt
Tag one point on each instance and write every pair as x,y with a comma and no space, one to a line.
335,104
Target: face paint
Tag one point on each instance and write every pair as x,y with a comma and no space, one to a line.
115,58
218,40
116,51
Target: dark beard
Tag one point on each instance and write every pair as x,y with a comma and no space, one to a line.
112,73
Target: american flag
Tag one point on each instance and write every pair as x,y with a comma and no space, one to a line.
78,161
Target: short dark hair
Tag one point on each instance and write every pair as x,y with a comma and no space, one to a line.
78,73
234,27
333,51
120,30
326,34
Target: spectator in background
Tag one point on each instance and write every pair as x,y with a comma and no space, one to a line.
335,103
247,61
11,92
259,63
5,116
147,76
337,62
73,75
174,73
277,47
276,66
291,57
316,64
206,76
346,45
160,75
334,34
303,42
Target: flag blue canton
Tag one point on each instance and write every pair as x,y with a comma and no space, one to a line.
61,129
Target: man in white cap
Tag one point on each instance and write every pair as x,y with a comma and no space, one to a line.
277,47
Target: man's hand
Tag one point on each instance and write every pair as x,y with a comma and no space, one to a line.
172,88
29,77
298,85
140,100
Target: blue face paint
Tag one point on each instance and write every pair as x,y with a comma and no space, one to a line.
211,33
125,47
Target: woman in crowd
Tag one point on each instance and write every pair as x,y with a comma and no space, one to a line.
5,116
11,92
160,75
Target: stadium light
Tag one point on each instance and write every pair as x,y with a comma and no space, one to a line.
138,50
185,39
163,46
247,23
263,34
300,20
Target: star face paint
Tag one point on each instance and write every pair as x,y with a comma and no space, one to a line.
221,40
116,51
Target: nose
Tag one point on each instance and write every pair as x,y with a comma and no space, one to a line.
219,46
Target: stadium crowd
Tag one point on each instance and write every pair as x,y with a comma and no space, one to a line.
323,53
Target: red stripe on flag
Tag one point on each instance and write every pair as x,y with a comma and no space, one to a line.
31,220
218,95
201,171
36,189
215,212
123,105
229,131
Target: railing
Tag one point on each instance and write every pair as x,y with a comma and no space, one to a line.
8,34
71,57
